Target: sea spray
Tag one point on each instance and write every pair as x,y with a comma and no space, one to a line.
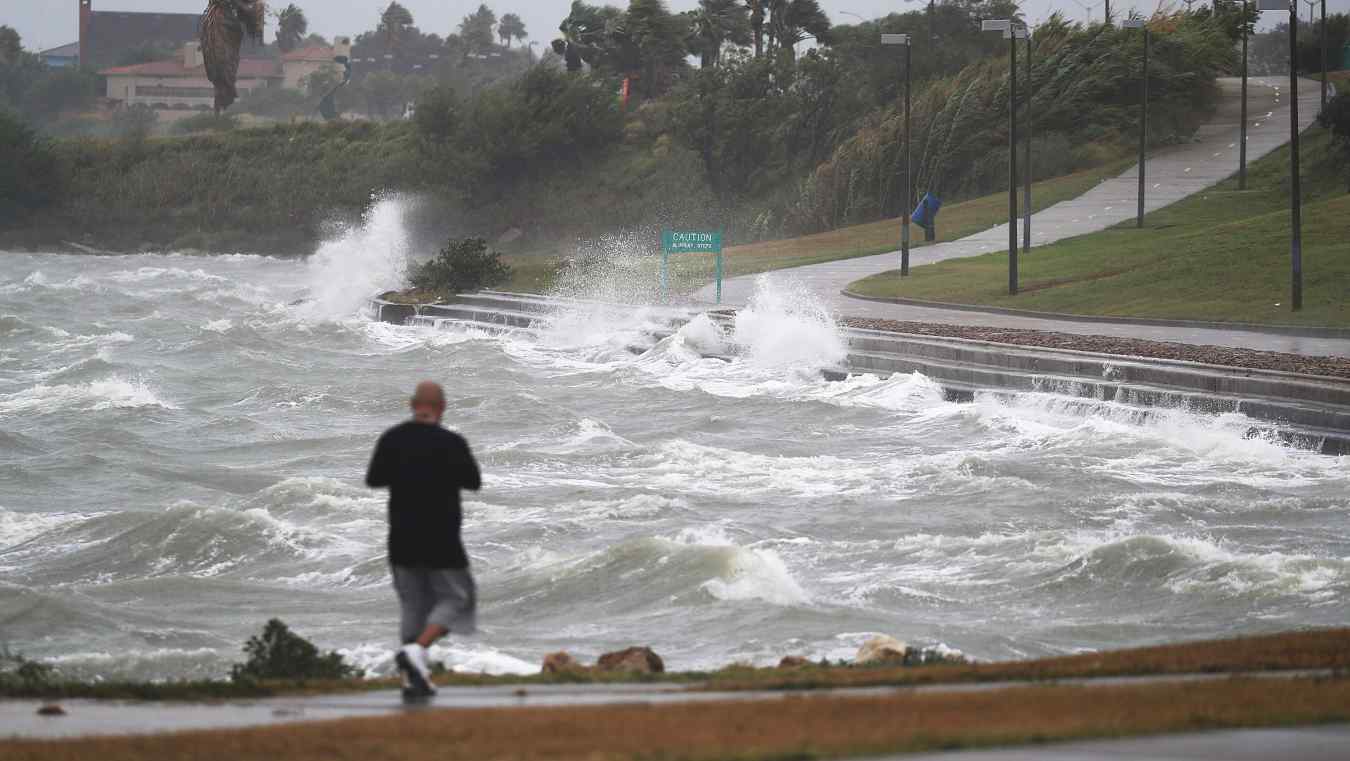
787,326
361,261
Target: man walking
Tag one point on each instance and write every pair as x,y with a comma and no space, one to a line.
425,466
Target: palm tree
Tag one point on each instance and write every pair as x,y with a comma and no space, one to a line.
791,21
394,25
757,24
715,23
292,26
511,27
584,34
476,30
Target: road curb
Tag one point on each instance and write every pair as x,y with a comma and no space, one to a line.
1246,327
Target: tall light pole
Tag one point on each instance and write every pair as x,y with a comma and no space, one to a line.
1242,130
1026,168
903,39
1006,27
1324,55
1296,188
1138,23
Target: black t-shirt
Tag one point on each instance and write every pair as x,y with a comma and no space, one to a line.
424,467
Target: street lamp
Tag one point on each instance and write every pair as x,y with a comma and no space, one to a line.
1025,34
1242,130
1006,27
1295,200
1138,23
903,39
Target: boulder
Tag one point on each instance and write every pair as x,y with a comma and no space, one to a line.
560,662
636,660
793,662
881,649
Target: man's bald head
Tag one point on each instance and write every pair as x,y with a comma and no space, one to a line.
428,402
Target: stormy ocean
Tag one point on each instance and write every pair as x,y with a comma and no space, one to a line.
183,438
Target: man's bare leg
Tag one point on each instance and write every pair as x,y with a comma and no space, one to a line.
432,633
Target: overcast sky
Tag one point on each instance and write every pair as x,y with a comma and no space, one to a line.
48,23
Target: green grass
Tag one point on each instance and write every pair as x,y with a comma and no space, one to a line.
1220,255
537,273
956,221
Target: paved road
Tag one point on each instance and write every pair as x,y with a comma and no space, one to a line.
1172,174
1329,743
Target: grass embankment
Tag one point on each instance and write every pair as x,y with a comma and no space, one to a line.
800,728
1316,649
1220,255
956,220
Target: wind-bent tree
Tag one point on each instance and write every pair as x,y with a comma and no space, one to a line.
222,33
475,31
395,24
11,45
649,45
584,34
714,24
757,24
791,21
511,28
292,26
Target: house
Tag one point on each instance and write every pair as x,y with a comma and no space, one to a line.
299,64
179,85
63,57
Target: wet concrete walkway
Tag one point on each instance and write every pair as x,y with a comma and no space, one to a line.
84,718
1172,174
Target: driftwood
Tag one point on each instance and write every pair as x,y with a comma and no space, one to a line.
223,27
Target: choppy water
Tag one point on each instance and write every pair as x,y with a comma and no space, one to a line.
181,450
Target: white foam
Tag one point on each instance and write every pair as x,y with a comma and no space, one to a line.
111,393
748,573
786,325
362,261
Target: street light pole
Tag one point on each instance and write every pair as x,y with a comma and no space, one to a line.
1138,23
1296,186
1006,27
1324,55
1026,168
1296,201
1242,131
903,39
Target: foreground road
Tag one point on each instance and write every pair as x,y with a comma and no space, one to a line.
1173,174
1328,743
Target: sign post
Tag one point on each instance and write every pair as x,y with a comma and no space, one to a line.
690,242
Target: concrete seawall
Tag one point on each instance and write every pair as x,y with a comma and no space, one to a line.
1308,412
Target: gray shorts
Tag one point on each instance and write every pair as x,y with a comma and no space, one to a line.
443,596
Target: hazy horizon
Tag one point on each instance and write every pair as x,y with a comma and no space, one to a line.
50,23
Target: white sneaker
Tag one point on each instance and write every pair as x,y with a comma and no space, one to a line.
412,661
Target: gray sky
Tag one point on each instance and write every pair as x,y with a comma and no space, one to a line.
48,23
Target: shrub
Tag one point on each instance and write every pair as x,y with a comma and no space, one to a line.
18,673
279,653
28,172
205,122
463,265
1336,117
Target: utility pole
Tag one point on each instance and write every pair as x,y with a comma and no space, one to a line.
904,39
